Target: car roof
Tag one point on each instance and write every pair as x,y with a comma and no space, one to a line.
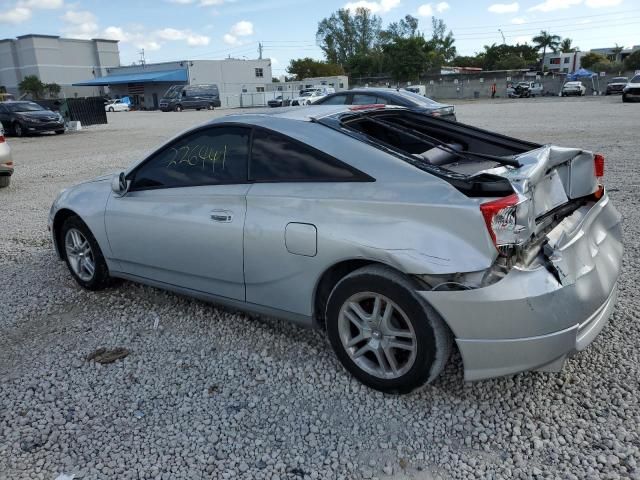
303,114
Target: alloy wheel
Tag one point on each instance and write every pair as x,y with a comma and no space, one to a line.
377,335
80,254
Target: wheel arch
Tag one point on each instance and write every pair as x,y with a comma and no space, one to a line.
330,278
58,220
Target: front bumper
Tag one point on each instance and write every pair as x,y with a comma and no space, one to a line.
532,318
43,127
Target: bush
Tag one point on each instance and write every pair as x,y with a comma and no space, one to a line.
632,62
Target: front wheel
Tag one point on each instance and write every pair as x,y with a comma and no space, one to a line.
210,106
17,130
178,108
383,333
111,109
59,132
83,255
624,98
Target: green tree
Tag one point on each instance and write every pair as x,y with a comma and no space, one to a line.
632,62
275,80
343,35
407,58
617,50
32,85
567,47
593,58
52,89
546,40
442,42
308,67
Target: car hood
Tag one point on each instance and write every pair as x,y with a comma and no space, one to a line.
616,83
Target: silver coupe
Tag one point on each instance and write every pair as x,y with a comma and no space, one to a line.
395,232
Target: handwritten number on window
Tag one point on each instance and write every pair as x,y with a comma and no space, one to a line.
197,155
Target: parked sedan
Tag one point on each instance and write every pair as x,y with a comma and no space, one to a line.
631,91
616,85
390,96
6,161
278,102
116,106
393,231
23,118
573,88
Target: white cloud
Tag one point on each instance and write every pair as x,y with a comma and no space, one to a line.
80,24
170,34
505,7
22,11
231,40
181,2
242,29
551,5
442,6
518,20
210,3
425,10
522,39
381,6
15,15
195,40
602,3
44,4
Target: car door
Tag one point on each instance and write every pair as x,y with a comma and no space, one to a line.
290,207
5,118
181,222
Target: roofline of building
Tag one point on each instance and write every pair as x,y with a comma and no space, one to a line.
38,35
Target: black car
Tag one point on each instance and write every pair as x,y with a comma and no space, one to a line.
616,85
390,96
22,118
182,97
279,102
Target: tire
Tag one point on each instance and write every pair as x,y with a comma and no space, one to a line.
178,108
624,98
97,280
210,107
111,109
198,109
413,323
17,130
59,132
5,180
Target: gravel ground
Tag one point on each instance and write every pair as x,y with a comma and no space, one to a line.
209,393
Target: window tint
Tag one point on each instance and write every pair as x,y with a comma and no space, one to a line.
275,157
208,157
363,99
336,100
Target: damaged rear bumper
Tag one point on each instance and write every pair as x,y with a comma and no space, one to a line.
533,318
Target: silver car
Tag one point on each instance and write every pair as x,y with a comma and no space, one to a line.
395,232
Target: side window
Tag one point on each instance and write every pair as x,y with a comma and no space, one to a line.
381,101
363,99
336,100
276,158
213,156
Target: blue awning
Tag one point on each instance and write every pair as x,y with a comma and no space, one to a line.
179,75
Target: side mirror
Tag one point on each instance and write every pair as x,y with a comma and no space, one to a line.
119,184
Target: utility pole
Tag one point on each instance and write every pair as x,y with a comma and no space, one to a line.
260,50
142,60
503,40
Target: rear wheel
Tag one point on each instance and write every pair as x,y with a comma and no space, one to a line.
5,180
178,108
383,333
210,106
111,109
83,255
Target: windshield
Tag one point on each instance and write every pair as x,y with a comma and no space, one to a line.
635,79
308,93
620,80
173,92
23,107
417,98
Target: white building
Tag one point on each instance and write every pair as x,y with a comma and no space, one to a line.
557,62
56,60
145,84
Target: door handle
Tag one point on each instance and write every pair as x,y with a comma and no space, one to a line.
222,216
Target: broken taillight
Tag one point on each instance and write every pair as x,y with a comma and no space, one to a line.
1,138
500,217
598,165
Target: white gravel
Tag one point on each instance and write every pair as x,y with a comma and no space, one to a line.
214,394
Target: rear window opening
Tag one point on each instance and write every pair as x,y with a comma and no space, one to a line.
450,150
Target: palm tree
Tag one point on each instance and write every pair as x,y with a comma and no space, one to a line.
566,47
544,40
617,50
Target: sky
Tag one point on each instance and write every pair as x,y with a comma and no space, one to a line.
212,29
